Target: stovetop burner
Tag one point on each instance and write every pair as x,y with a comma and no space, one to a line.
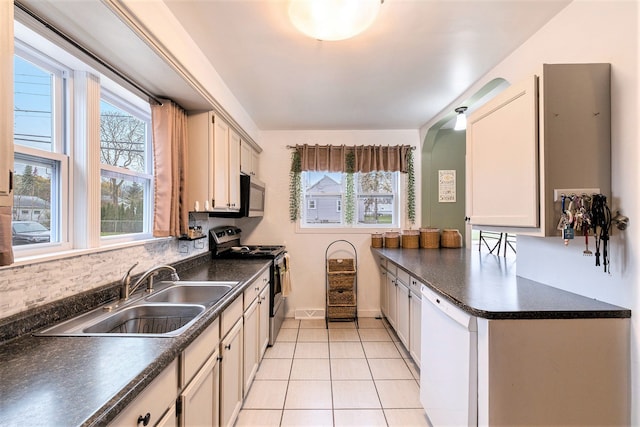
225,243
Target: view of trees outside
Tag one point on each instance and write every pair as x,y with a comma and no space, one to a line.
375,209
122,144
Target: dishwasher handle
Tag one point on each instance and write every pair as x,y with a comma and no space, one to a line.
449,309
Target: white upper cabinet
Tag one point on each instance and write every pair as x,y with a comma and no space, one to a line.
213,174
6,102
542,134
249,159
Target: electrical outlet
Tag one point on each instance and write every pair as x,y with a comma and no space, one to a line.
557,193
183,247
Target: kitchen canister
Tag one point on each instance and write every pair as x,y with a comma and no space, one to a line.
376,240
410,239
451,238
391,239
430,238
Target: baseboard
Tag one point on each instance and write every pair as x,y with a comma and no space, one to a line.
309,313
318,313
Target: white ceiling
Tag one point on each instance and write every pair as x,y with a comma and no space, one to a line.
417,58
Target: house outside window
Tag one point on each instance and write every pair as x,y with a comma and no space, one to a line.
376,199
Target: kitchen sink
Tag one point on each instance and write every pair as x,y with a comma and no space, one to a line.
138,319
148,319
182,292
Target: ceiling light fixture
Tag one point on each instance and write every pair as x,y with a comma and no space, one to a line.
333,20
461,119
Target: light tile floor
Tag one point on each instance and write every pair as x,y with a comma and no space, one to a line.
342,376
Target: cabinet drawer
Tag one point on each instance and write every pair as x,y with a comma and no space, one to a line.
199,350
154,400
403,276
341,297
255,288
230,316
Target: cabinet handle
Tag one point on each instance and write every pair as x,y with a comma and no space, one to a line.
257,288
264,298
259,302
144,420
228,346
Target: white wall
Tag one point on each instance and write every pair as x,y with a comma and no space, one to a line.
308,249
593,31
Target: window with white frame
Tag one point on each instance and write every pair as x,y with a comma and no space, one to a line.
375,199
125,171
44,160
40,158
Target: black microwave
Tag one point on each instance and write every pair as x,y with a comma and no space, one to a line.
252,198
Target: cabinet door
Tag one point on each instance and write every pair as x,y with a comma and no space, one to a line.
263,331
502,159
199,174
220,164
170,419
200,406
415,322
255,163
6,100
251,357
246,166
384,299
391,299
233,176
231,367
402,314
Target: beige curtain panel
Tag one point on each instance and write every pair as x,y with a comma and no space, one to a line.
368,158
6,250
171,215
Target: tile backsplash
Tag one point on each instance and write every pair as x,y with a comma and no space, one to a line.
28,286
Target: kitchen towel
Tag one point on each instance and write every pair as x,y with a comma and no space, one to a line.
285,276
6,250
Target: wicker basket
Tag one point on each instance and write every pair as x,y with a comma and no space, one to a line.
410,239
376,240
335,265
341,281
391,239
430,238
342,297
341,312
451,238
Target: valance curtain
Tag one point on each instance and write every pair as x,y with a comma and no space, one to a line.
368,158
171,215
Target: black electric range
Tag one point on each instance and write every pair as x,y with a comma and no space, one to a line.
225,242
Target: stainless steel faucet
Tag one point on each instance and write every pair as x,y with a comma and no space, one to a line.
127,289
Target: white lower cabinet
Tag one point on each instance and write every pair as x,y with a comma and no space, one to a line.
402,312
251,354
199,399
231,373
415,320
169,419
400,304
150,406
263,330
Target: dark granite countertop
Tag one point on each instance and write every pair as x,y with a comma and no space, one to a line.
486,286
87,381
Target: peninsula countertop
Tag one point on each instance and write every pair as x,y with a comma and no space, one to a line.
87,381
487,286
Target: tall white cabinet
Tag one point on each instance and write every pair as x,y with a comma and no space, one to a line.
213,175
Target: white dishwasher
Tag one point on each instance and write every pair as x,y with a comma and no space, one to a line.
449,362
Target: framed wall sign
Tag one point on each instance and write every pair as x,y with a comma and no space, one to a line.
447,186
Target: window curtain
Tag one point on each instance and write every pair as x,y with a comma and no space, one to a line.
368,158
6,251
171,215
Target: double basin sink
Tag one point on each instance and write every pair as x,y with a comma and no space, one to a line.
164,313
